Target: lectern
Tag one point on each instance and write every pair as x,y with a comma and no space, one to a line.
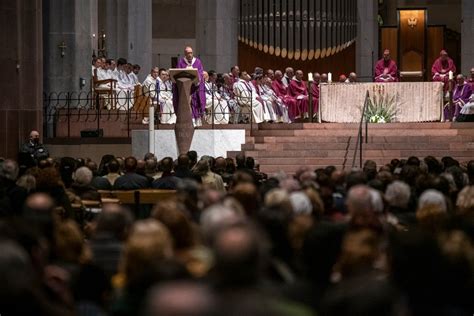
184,129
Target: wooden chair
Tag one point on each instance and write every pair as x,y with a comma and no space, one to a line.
103,94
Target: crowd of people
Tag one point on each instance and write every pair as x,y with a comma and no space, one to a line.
396,239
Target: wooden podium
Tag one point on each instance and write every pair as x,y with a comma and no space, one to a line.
184,129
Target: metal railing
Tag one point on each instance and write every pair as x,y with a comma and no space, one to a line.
64,111
360,136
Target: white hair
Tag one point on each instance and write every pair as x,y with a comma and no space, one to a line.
217,216
301,203
83,176
398,194
432,198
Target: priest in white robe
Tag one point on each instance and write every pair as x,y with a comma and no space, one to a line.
216,105
165,98
247,97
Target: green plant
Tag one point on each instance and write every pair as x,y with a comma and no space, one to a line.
381,108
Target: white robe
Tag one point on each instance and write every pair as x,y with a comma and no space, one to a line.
231,104
246,96
149,87
216,105
165,100
270,95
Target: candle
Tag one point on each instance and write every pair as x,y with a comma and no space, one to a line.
310,77
329,77
451,77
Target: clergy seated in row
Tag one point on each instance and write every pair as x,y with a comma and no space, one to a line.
279,107
246,96
386,69
165,97
315,86
299,91
467,112
289,75
441,68
461,96
282,92
217,109
471,79
227,93
268,111
159,88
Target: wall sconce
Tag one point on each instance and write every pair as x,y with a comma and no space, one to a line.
62,47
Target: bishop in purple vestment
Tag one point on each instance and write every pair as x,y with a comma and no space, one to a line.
198,91
461,95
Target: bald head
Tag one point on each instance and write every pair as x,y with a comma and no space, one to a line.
188,53
181,298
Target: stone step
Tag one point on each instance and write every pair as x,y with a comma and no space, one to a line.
375,132
371,139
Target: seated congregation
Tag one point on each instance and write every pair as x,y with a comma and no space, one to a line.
386,240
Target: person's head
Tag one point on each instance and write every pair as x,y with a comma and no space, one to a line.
136,69
386,54
245,76
212,76
83,176
443,55
128,68
115,220
359,200
342,78
398,194
34,137
130,164
70,246
235,71
227,79
155,72
324,77
167,165
460,79
205,76
192,155
432,209
183,161
289,72
113,166
148,243
239,255
181,298
316,77
465,201
188,53
352,77
9,170
299,75
121,63
171,213
240,160
278,75
150,166
472,72
270,74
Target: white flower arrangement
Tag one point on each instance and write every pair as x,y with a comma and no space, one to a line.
381,108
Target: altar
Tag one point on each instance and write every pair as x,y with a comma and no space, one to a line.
407,101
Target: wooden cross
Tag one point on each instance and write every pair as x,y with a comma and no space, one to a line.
62,47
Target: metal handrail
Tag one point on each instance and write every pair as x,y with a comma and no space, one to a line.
359,134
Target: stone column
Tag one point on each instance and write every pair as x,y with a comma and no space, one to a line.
68,23
217,33
21,87
467,36
128,29
367,39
